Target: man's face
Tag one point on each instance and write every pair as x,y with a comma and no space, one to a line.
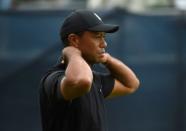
92,46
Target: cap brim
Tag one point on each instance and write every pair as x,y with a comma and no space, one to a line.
105,28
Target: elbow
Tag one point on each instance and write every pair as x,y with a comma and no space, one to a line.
134,87
84,85
137,84
81,85
73,88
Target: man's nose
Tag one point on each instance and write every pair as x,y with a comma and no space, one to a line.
103,44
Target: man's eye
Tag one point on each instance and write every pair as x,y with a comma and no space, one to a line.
100,36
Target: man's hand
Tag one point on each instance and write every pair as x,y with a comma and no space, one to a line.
105,58
78,75
68,52
126,81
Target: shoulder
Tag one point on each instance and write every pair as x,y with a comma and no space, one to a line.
56,70
53,73
106,80
101,75
51,80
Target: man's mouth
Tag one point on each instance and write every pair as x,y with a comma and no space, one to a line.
102,52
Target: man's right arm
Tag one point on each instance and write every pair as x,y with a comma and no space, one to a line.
78,75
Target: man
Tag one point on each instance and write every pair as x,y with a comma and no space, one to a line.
72,94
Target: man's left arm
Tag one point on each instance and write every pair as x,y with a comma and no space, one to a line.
126,81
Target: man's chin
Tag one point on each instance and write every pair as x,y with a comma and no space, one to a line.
100,61
97,61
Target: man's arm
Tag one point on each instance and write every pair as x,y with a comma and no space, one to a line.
126,81
78,75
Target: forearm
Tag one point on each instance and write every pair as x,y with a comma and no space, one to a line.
122,72
78,69
78,73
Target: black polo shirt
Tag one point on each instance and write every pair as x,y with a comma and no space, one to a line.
86,113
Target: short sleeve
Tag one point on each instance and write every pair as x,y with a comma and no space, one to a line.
51,85
107,81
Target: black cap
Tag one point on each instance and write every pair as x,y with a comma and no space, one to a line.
85,20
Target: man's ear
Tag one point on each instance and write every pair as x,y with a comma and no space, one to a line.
73,40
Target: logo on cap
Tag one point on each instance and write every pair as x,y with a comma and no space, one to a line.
97,16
